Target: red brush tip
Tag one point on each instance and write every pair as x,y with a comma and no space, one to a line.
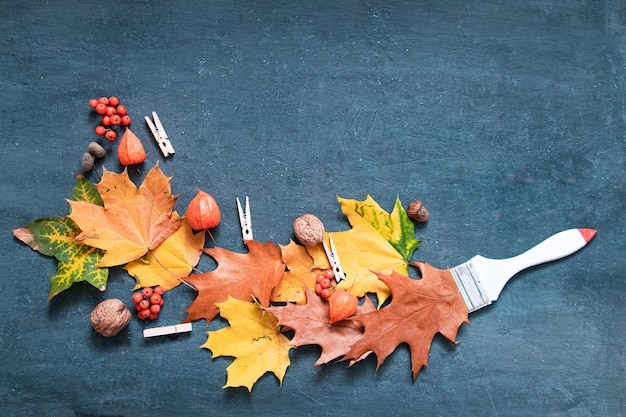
587,234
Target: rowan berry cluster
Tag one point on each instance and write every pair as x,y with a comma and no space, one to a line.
113,114
148,302
324,284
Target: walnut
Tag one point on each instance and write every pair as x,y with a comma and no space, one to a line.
309,230
109,317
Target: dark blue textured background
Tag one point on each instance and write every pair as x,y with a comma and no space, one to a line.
507,118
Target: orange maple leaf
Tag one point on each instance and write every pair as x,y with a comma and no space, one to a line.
169,262
239,275
300,273
310,323
132,221
419,309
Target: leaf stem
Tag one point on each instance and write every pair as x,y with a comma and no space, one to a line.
173,274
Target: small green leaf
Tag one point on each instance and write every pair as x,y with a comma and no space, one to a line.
85,191
54,236
404,241
84,267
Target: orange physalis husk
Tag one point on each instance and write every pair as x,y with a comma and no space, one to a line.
203,211
130,150
342,304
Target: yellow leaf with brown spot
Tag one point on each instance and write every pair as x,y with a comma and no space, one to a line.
254,339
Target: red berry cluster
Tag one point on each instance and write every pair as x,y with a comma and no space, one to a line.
324,284
113,114
148,302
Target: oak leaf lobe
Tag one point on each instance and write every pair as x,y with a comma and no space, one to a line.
419,309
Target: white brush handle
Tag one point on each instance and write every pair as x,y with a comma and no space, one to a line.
481,279
555,247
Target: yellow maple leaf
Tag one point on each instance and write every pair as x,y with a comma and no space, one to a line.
254,339
300,273
133,220
378,241
362,250
396,227
172,260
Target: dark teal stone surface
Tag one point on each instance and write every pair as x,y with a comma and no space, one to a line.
508,119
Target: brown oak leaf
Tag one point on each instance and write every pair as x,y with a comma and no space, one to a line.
419,309
310,323
240,275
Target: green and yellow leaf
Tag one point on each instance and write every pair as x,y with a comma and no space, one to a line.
56,236
85,191
378,241
397,228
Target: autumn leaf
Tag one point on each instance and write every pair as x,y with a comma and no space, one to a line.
310,323
397,228
169,262
300,273
55,236
132,221
239,275
85,191
377,241
419,309
362,250
254,339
